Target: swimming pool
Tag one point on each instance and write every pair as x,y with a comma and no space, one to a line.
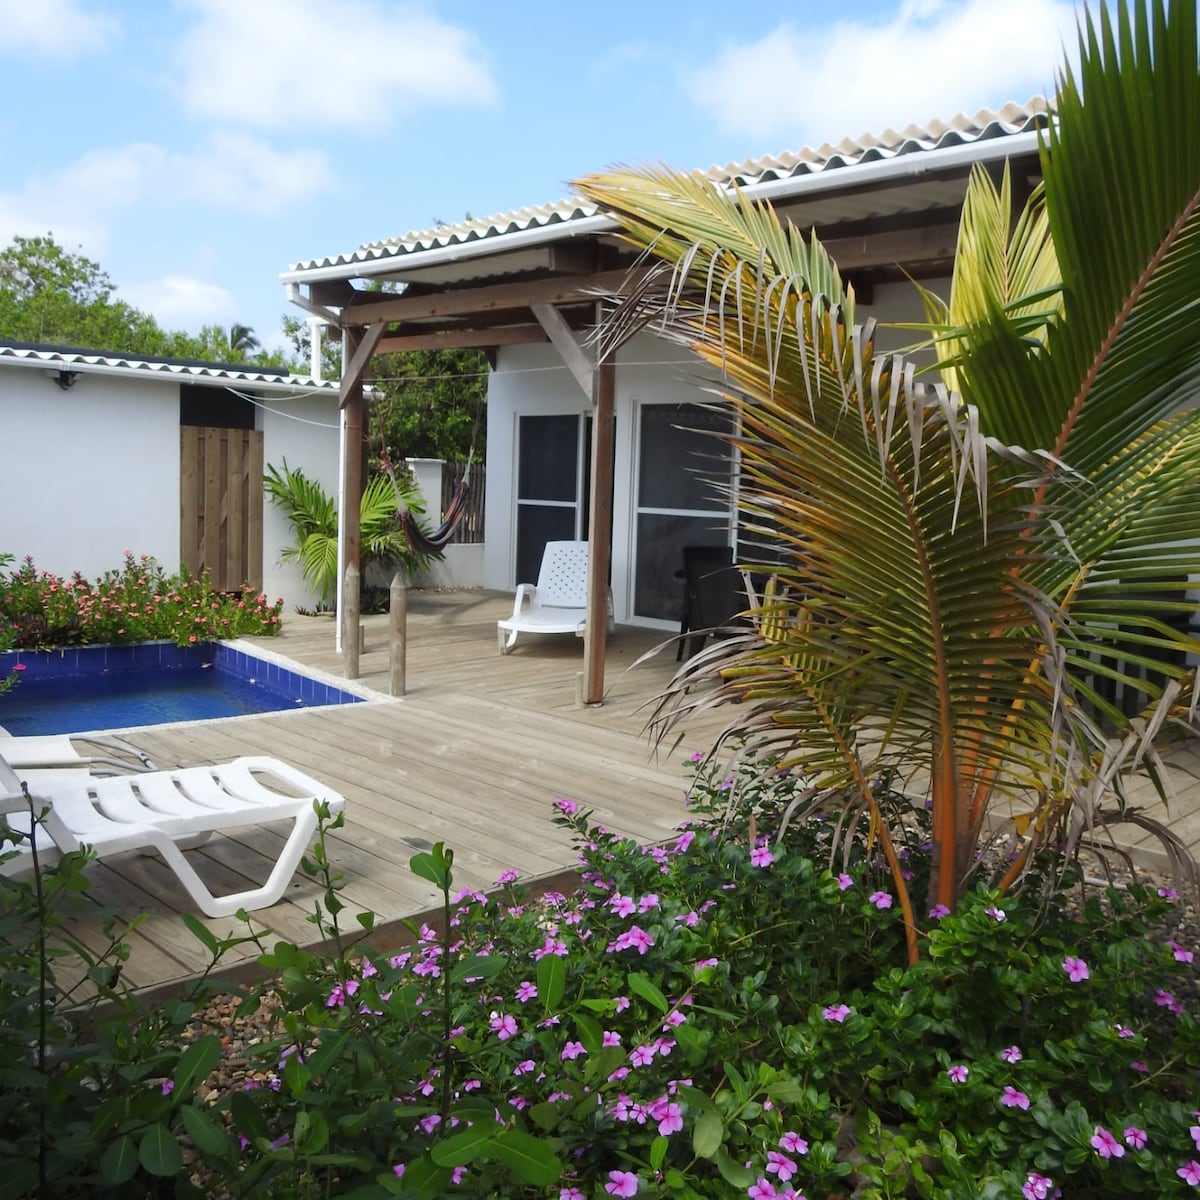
93,688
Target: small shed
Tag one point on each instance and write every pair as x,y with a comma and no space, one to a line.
107,453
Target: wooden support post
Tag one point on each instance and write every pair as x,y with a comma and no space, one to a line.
353,479
595,635
398,641
351,639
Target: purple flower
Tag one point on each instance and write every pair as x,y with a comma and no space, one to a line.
1135,1138
1190,1173
1195,1132
623,906
1106,1145
958,1073
1167,1000
938,911
168,1086
398,1170
671,1119
697,757
1076,969
781,1165
610,1038
1037,1187
760,856
526,991
509,876
1011,1097
997,914
1180,954
573,1050
504,1025
622,1183
1011,1054
880,899
1168,893
836,1012
1123,1031
763,1189
1140,1067
844,881
641,1056
793,1143
568,807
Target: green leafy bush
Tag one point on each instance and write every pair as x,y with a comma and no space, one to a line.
721,1015
136,603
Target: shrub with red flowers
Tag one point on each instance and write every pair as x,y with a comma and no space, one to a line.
138,602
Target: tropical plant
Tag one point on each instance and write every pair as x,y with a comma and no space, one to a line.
313,516
970,578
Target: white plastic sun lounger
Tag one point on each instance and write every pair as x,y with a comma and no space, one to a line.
52,751
157,809
557,603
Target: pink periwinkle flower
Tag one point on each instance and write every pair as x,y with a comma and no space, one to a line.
836,1012
1012,1097
509,876
505,1026
573,1050
938,911
1038,1187
1168,893
958,1073
622,1183
168,1086
610,1038
1195,1132
671,1119
760,856
1140,1067
1076,969
844,881
1166,999
781,1165
1123,1031
1135,1138
623,906
762,1189
526,991
793,1143
1190,1173
1106,1145
641,1056
567,807
880,899
997,914
1180,954
1011,1054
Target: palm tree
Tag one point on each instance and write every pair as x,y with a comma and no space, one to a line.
242,340
966,570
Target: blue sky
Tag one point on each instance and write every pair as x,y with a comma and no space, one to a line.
197,148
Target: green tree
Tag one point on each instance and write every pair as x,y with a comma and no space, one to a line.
965,573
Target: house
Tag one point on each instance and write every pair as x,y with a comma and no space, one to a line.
573,445
106,453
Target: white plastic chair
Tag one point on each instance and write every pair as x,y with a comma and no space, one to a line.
557,603
159,810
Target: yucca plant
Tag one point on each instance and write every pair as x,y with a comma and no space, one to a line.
971,567
313,515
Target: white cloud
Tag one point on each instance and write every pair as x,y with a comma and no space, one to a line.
64,29
81,201
180,302
805,85
305,63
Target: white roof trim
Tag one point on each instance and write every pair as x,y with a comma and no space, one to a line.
916,151
100,364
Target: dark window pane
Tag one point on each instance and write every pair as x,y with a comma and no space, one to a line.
548,454
536,526
659,592
680,456
214,408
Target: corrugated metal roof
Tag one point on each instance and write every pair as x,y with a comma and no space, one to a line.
272,378
964,129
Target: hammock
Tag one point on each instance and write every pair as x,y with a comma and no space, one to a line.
437,540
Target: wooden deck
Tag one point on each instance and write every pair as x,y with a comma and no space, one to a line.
474,756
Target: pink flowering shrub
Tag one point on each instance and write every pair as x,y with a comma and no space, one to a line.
136,603
693,1021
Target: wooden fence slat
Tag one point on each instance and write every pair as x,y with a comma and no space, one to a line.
189,498
233,568
253,574
470,528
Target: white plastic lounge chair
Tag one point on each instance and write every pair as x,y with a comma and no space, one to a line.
52,751
557,603
159,809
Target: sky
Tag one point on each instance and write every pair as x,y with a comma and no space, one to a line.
195,149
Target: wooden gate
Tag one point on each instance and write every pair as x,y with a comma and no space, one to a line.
221,505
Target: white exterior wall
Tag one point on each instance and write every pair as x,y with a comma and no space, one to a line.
303,431
532,380
86,472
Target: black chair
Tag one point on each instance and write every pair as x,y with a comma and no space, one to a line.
722,555
714,596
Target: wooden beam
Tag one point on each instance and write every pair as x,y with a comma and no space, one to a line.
595,634
499,335
901,247
492,298
573,354
353,476
352,376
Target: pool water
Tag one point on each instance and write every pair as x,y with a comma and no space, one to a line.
116,687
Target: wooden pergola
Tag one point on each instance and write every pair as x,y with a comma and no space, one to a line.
882,221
